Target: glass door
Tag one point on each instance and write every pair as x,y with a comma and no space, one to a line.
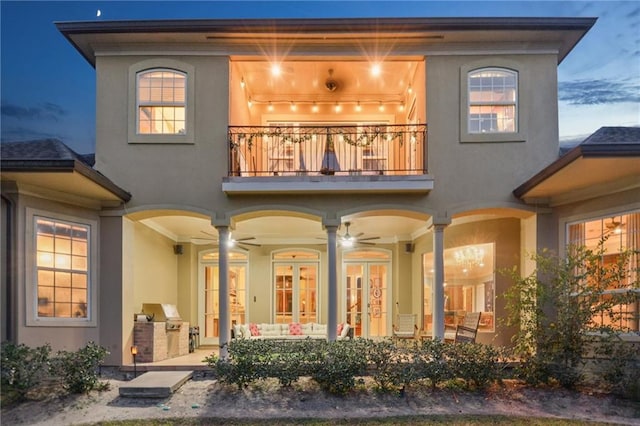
367,297
296,286
210,288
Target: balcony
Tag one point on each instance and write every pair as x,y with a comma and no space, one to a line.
364,158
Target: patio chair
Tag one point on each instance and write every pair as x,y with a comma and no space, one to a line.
468,330
405,327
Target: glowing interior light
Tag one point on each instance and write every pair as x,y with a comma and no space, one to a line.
338,107
314,107
270,107
358,107
275,70
376,69
242,82
249,102
381,107
293,106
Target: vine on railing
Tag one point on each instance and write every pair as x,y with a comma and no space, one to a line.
365,139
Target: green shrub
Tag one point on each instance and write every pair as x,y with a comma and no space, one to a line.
79,370
433,362
336,367
382,359
23,368
553,310
476,364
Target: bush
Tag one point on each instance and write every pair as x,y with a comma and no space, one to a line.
476,364
554,307
383,363
433,362
336,367
23,368
79,370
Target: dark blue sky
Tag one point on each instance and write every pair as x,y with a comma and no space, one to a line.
48,89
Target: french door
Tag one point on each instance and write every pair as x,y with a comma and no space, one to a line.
209,306
367,297
296,286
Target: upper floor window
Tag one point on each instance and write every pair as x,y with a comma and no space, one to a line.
492,101
62,269
161,100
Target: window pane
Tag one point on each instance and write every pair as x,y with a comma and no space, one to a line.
45,278
79,280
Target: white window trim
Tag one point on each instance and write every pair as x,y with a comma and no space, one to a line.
161,64
31,285
521,101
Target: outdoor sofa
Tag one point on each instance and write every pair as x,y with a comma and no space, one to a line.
292,331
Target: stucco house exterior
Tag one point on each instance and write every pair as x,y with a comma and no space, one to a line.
326,171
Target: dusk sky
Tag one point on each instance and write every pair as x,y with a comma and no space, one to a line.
48,89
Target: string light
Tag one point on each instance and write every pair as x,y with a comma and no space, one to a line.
315,106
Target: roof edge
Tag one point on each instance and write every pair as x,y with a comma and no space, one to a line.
323,24
65,166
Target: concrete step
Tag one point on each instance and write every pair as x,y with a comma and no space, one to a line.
155,384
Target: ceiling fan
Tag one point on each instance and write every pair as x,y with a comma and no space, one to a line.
614,226
348,240
240,242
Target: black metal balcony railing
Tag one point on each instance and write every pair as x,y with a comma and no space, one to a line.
327,150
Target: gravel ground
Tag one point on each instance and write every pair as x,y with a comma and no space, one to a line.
204,397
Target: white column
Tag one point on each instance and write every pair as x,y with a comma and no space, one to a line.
223,293
438,281
332,319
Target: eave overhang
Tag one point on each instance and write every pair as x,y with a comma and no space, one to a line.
586,171
241,34
71,177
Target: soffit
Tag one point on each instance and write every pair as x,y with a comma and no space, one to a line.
587,177
71,184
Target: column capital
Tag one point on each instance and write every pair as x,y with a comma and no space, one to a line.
331,223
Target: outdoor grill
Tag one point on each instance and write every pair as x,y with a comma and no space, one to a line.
163,312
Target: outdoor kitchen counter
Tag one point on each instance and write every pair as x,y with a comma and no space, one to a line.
156,343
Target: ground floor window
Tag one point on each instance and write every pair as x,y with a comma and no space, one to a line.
62,268
617,233
469,285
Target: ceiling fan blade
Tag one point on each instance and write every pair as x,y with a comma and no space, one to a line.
246,239
364,243
241,243
358,235
368,238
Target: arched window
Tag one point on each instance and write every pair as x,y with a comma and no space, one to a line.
493,100
161,102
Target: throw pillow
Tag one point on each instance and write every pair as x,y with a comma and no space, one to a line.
254,329
295,329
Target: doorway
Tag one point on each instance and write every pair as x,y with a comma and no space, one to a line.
367,292
209,304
